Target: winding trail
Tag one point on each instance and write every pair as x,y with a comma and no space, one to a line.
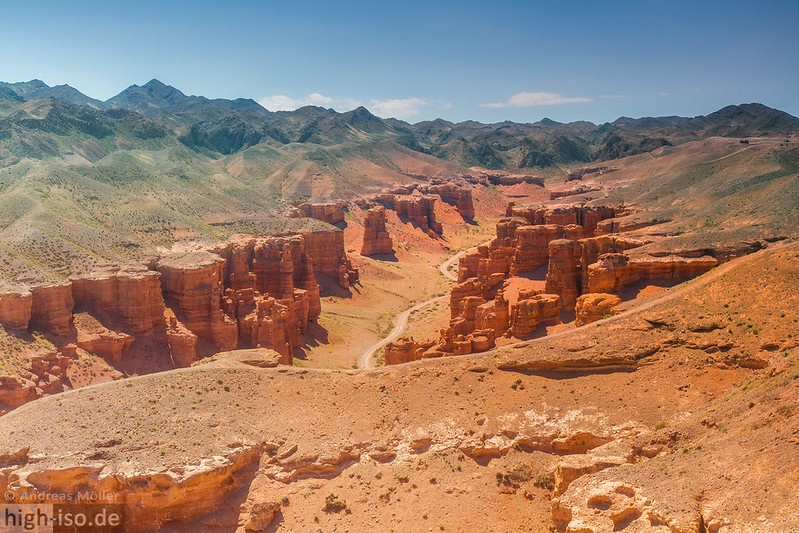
367,360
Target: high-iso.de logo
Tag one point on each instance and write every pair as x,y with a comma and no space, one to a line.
60,517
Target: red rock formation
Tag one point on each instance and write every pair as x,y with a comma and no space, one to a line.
493,316
624,224
530,311
376,239
330,212
15,308
16,390
470,287
612,272
131,296
469,263
182,342
592,248
464,323
402,350
451,193
563,275
419,210
110,345
326,250
192,285
51,308
532,245
583,215
593,307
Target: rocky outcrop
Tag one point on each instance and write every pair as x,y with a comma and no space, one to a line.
476,323
494,315
452,194
376,239
419,210
563,274
532,311
130,296
612,272
46,374
532,244
627,223
591,248
405,350
17,390
51,308
592,307
110,345
330,212
470,287
252,292
499,178
580,214
15,308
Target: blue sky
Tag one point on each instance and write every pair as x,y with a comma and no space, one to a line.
466,60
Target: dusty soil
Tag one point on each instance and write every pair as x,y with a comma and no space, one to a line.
695,391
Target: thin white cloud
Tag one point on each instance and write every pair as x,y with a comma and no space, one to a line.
612,96
402,108
398,107
537,99
280,102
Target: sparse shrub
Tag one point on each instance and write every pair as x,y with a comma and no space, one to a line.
544,482
333,504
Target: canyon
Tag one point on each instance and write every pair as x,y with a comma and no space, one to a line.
596,333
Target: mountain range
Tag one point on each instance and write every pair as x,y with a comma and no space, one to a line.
220,127
85,182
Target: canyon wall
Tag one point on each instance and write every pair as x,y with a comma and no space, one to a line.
245,292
